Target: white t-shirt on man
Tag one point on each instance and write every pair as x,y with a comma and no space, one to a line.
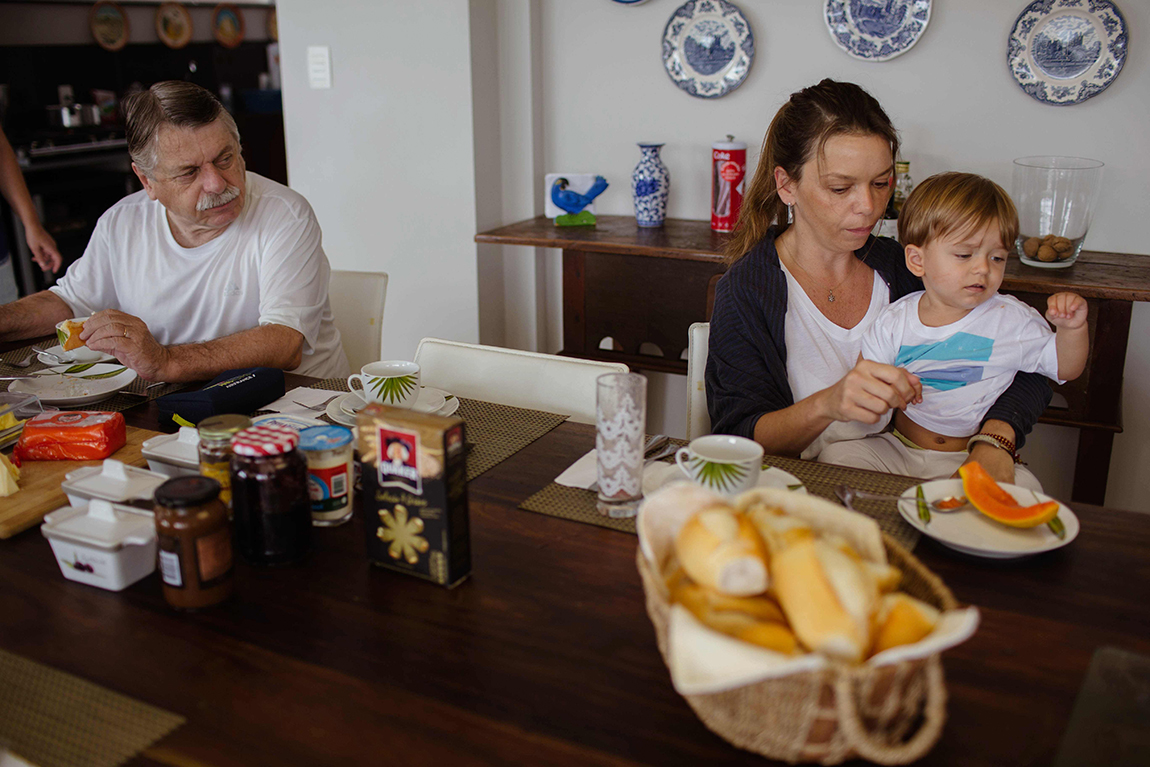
268,267
966,365
820,353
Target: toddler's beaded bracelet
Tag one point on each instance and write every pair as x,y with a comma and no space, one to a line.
1002,443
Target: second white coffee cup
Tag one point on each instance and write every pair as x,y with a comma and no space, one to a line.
722,463
391,382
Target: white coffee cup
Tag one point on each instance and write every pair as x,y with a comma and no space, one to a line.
80,354
722,463
391,382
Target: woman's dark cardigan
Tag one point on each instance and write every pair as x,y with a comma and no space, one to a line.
747,355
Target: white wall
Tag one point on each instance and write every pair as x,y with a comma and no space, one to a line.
578,82
386,156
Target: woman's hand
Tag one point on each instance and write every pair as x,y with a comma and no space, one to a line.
43,247
869,390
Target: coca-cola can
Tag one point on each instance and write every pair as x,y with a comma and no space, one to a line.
728,174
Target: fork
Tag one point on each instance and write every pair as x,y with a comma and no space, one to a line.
320,408
22,363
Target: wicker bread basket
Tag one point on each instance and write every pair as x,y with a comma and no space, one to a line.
835,714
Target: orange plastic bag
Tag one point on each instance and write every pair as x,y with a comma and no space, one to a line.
72,435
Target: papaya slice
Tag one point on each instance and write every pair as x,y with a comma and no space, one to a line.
993,501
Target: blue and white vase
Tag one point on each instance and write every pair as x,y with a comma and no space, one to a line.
649,185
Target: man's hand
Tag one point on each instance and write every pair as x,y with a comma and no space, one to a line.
129,340
43,247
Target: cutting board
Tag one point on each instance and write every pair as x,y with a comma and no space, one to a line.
40,485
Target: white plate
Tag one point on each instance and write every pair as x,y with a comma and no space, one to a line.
876,31
708,48
79,387
337,415
972,532
430,400
1063,52
83,354
769,477
296,423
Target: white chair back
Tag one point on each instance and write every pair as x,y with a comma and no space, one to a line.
357,300
698,419
511,377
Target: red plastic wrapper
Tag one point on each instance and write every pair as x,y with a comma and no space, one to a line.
71,435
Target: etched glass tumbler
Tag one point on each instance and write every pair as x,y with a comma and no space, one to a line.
1056,198
620,422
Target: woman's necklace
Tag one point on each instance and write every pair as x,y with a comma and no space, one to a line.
830,291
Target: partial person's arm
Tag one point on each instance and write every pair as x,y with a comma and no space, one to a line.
129,340
15,191
32,316
1067,312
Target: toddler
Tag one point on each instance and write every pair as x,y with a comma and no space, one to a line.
959,335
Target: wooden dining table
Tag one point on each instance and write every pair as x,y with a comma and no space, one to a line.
545,655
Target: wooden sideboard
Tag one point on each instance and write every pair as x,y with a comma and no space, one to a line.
641,286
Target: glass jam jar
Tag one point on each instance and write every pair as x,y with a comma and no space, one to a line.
216,449
329,473
194,541
270,502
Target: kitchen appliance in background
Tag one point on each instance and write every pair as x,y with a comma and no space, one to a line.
728,174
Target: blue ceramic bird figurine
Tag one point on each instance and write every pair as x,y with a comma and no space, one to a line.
574,203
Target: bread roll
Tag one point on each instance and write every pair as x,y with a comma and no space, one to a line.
721,549
902,619
757,620
828,598
72,332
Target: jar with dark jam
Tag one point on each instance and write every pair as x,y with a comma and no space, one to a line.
216,435
270,501
194,541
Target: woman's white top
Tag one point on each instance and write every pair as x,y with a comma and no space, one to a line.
820,353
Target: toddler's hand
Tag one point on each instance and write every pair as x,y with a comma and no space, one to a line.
1066,310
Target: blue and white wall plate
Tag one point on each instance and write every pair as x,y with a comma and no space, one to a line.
708,48
876,30
1066,51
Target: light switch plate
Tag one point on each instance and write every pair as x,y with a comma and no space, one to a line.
319,66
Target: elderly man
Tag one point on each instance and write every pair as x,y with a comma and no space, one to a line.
209,268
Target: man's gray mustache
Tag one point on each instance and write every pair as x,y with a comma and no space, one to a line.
216,200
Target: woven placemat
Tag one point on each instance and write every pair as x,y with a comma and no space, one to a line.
496,432
819,478
54,719
120,401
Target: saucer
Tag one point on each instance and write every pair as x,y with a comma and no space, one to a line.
83,354
656,476
431,400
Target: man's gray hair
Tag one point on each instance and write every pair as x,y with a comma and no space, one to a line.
172,102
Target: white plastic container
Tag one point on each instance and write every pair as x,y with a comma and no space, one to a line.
174,455
102,544
112,481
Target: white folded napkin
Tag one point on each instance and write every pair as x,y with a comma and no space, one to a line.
294,401
584,472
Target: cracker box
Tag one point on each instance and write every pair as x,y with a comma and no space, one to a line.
414,494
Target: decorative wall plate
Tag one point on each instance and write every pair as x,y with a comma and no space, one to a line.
876,30
109,25
173,25
228,25
708,48
1066,51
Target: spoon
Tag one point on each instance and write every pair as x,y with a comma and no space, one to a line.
22,363
59,360
943,505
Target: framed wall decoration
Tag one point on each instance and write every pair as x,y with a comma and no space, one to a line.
173,25
228,25
109,25
876,30
708,48
1064,52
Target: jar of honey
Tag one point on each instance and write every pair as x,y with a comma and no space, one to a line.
194,542
215,449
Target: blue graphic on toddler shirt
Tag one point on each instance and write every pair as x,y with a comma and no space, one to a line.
961,347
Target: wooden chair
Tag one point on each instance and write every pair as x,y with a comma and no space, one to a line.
698,418
357,300
511,377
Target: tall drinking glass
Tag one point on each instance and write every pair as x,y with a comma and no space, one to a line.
620,422
1056,197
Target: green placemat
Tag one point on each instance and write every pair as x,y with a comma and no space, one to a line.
819,478
120,401
496,432
54,719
